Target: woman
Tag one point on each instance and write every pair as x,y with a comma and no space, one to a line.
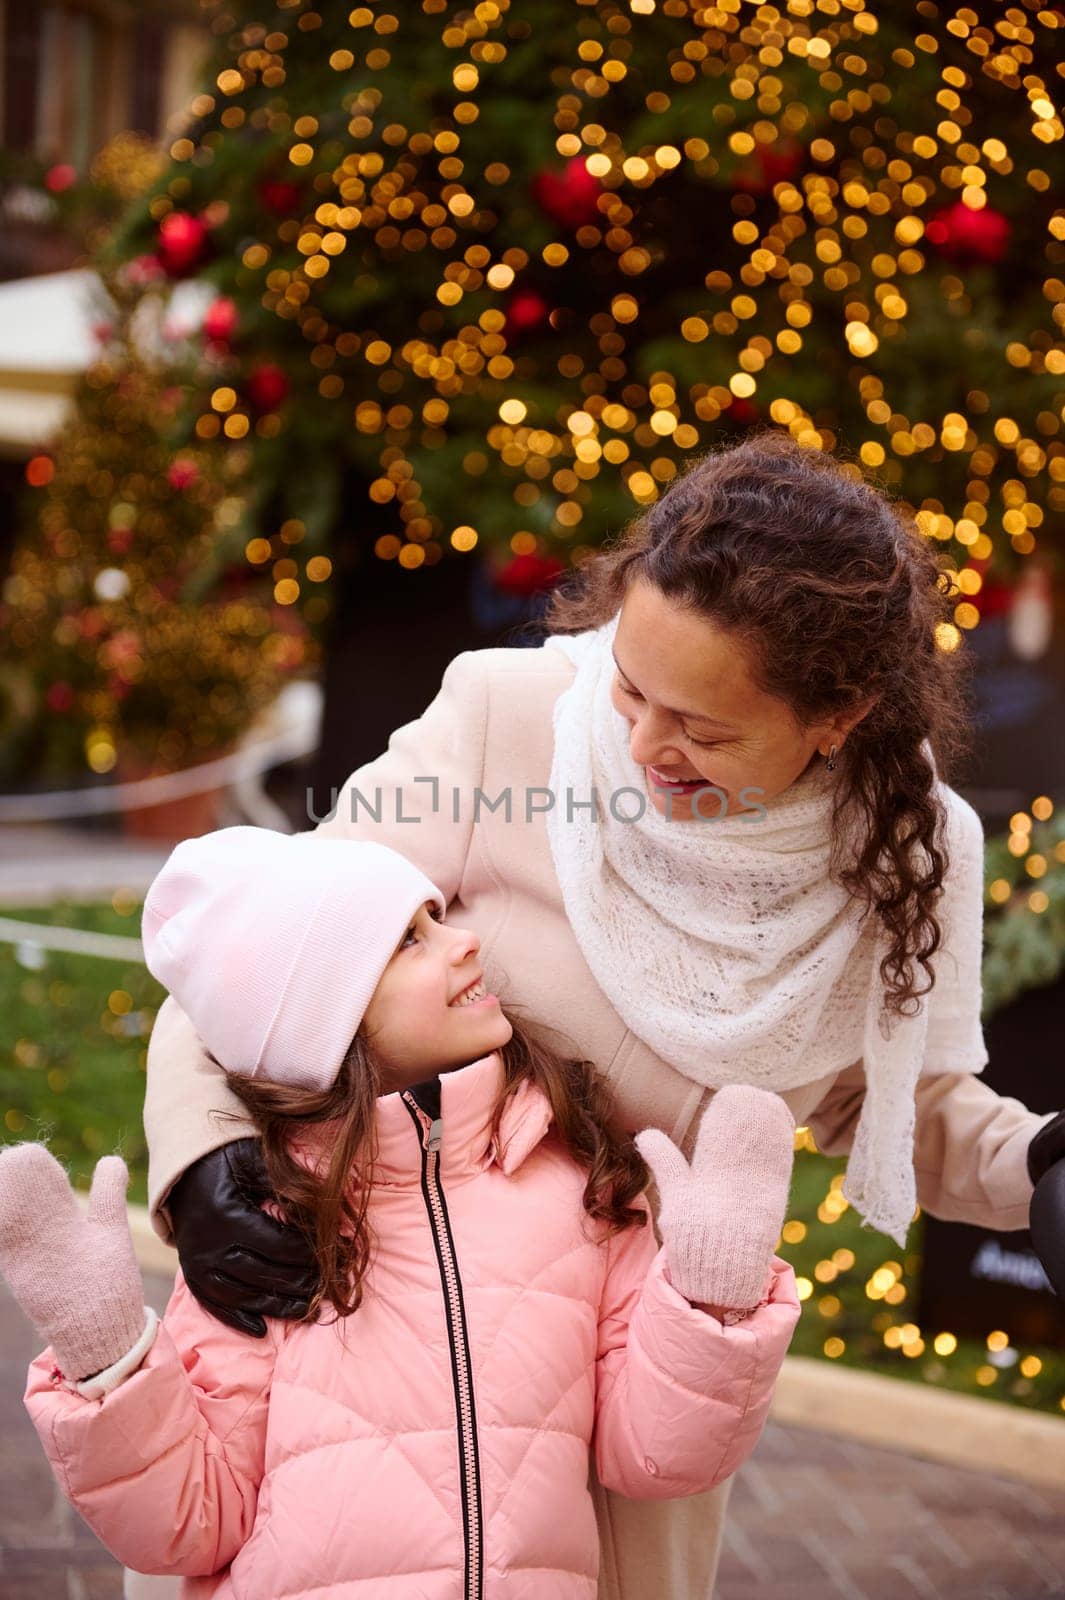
775,886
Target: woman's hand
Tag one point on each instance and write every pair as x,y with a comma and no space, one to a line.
73,1272
240,1264
1046,1168
1047,1224
720,1218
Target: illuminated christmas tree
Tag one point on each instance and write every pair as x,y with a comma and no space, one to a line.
507,267
486,277
131,639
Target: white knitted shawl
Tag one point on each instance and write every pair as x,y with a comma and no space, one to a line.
723,943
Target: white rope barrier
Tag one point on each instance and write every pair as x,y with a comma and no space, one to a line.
74,941
67,803
300,710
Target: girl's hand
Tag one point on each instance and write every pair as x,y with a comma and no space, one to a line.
720,1218
73,1272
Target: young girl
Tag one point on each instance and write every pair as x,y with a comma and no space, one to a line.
492,1302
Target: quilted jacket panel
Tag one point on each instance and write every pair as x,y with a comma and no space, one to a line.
323,1460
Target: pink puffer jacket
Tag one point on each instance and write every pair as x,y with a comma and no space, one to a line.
433,1446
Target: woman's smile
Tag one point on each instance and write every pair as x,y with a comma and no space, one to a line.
681,785
688,688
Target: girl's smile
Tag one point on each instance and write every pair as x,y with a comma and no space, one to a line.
474,994
431,1010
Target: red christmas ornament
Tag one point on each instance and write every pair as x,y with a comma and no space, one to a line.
743,412
119,540
995,599
221,319
526,311
525,576
60,697
182,242
964,235
266,387
61,176
569,197
280,197
220,323
769,165
182,473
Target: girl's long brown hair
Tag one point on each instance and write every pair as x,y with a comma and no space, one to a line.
318,1150
837,597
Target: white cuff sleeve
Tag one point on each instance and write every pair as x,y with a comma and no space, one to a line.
101,1383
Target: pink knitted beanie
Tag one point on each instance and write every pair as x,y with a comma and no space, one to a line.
274,943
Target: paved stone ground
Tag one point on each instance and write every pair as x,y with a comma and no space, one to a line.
812,1518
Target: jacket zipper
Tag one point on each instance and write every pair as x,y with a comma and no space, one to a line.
430,1133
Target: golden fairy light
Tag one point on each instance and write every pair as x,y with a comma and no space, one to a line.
878,267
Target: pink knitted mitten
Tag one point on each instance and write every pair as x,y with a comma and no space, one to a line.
720,1218
73,1273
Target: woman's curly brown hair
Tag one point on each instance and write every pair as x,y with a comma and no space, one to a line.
837,597
318,1151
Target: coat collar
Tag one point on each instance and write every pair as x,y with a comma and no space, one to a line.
468,1098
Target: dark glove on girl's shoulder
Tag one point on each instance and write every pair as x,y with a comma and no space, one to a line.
240,1264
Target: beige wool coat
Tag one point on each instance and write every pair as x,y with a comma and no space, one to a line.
439,792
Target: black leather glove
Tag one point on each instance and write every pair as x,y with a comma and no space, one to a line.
240,1264
1046,1168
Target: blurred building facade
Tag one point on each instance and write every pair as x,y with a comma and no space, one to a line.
73,74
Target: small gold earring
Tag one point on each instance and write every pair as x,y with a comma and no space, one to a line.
830,763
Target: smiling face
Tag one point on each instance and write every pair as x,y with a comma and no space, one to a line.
416,1022
686,687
